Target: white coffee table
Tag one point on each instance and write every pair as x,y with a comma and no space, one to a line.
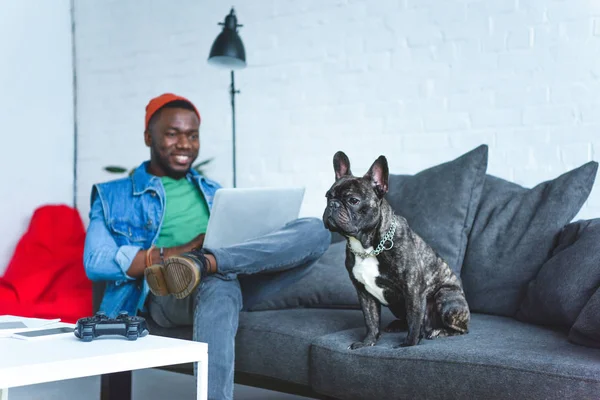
65,357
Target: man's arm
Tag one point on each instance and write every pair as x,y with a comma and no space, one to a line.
104,260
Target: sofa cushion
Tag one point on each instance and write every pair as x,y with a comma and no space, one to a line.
567,280
499,355
586,329
513,234
439,203
276,344
326,284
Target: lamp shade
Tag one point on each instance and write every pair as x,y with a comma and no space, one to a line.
227,50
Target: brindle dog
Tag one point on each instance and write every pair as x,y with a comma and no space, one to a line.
389,263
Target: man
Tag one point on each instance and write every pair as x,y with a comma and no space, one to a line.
145,239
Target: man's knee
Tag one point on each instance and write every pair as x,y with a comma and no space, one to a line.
313,231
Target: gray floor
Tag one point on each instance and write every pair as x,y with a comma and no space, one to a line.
148,384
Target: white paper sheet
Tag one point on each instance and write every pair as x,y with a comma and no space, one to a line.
10,324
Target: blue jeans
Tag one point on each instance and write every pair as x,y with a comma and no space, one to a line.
248,273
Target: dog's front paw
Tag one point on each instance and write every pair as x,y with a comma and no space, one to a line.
358,345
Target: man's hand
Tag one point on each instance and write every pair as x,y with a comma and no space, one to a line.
138,265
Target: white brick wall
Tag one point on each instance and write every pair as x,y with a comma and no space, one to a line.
421,81
36,113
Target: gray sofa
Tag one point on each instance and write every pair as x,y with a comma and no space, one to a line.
531,276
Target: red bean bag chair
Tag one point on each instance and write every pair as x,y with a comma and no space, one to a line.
45,277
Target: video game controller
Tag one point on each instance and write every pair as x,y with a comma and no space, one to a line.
90,328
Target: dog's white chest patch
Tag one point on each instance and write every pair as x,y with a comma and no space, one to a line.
366,270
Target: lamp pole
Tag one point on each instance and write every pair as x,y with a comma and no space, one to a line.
233,92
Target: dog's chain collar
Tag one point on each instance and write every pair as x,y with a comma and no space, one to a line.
387,238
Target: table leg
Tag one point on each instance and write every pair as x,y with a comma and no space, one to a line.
115,386
202,380
4,394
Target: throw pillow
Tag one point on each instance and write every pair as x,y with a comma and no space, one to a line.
513,234
567,280
586,330
439,203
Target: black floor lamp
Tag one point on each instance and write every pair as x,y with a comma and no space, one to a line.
228,52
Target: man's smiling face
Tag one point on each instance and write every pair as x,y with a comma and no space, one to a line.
174,141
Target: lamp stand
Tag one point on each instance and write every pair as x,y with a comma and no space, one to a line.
233,92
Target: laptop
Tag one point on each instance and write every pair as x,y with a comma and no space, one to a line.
240,214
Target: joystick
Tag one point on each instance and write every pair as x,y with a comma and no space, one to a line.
90,328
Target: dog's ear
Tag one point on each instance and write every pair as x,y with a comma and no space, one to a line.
378,175
341,165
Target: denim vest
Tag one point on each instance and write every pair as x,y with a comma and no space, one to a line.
125,217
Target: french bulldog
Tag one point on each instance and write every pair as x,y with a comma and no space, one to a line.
389,263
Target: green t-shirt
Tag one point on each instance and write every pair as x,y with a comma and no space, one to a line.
186,213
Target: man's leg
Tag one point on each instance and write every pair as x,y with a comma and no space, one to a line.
217,325
298,244
213,310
